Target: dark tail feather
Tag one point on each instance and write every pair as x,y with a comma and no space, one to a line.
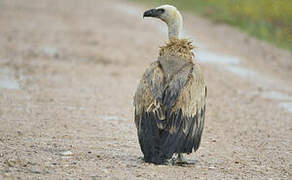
159,145
151,138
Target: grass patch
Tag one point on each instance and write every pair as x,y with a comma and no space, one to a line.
269,20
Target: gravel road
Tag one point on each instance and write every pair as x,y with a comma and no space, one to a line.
68,73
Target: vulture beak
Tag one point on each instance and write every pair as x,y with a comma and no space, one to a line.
153,13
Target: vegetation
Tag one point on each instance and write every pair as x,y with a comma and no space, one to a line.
269,20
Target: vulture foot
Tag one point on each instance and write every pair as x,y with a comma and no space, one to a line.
181,161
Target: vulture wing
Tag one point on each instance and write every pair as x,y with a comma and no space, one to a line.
170,108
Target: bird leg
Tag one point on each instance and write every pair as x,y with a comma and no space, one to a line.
180,160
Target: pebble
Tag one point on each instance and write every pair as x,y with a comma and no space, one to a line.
66,153
211,168
72,178
50,51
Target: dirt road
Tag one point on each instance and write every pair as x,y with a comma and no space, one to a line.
68,73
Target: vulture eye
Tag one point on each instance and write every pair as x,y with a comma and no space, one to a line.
160,11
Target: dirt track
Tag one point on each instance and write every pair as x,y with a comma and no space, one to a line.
68,73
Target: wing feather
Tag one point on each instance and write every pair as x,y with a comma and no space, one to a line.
169,111
192,102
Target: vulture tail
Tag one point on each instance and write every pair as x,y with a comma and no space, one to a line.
150,139
158,145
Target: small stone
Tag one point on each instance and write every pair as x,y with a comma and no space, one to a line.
66,153
35,171
10,163
105,171
73,178
19,133
211,168
50,51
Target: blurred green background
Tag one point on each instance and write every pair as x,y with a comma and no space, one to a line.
269,20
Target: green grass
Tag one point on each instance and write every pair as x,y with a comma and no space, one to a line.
269,20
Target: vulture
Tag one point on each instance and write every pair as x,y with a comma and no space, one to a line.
170,100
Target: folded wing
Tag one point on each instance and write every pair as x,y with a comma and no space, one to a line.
170,109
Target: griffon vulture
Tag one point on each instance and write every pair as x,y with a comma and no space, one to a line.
170,100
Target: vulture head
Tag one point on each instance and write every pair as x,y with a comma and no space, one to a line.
171,16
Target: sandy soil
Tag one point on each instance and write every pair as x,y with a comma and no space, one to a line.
68,73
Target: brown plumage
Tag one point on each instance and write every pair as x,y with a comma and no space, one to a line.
170,100
178,47
170,104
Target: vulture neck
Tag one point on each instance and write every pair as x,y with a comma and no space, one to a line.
174,29
175,25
